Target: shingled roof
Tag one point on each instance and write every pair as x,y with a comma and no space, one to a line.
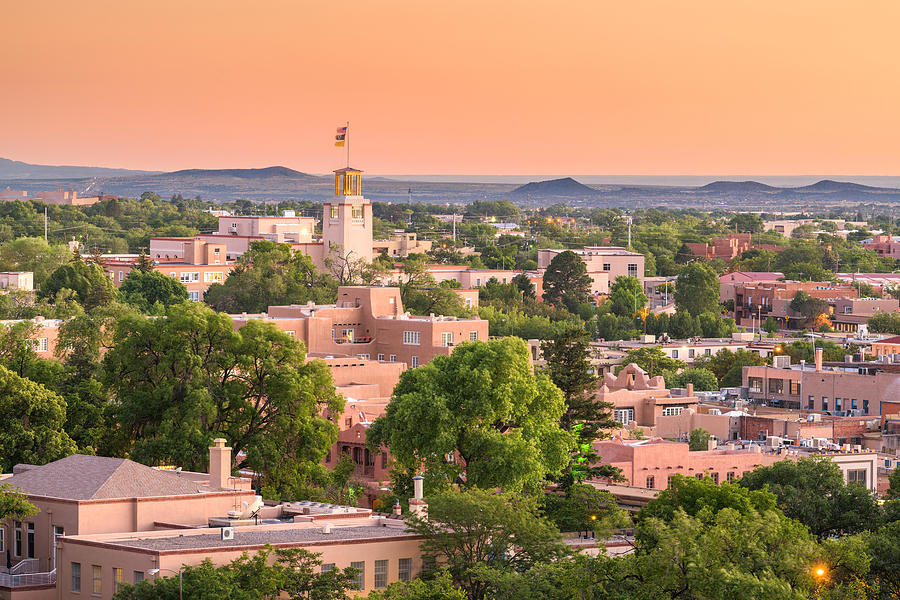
81,477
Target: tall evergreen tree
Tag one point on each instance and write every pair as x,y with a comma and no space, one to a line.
566,282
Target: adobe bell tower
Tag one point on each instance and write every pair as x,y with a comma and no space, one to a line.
347,218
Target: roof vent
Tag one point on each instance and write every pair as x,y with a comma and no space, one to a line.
326,528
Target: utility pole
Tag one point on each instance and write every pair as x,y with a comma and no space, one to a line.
628,220
45,223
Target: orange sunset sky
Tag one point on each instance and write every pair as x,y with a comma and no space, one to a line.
470,87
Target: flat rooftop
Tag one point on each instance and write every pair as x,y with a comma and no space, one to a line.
260,535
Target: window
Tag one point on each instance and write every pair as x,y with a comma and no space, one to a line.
624,415
380,356
357,213
857,476
384,460
327,567
473,336
853,404
96,579
755,384
360,582
138,576
795,388
477,282
213,277
30,540
699,476
651,481
715,478
632,270
810,403
468,303
335,212
865,407
669,481
2,539
393,358
291,333
824,402
76,577
411,338
837,403
363,356
121,275
40,344
58,532
414,362
381,573
729,477
189,277
707,352
404,569
691,353
194,296
607,267
672,411
17,535
776,386
674,353
118,578
347,335
446,338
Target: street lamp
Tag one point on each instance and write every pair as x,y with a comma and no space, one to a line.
178,572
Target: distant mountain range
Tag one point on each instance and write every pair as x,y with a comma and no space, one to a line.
281,183
14,169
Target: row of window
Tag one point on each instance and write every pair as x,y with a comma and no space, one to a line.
839,404
194,276
650,482
404,572
692,352
413,338
118,578
356,213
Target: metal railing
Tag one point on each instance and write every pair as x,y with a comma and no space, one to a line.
26,565
11,580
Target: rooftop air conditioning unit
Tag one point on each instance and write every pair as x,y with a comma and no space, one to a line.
228,533
781,362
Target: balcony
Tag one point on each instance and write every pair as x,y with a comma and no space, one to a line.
360,340
27,579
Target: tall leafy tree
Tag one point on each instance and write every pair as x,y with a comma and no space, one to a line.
189,377
153,290
812,490
87,279
652,360
626,296
566,282
697,289
474,532
270,274
33,418
478,417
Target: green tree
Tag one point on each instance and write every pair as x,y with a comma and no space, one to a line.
770,325
439,299
14,503
566,282
652,360
483,404
885,322
266,575
626,296
33,418
812,491
525,286
188,377
144,290
585,508
727,366
693,495
35,255
270,274
703,379
697,289
88,280
699,439
440,587
474,529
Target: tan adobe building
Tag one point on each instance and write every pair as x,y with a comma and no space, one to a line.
849,313
369,322
21,281
756,301
640,400
604,264
401,244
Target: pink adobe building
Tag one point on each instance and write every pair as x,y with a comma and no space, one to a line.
45,335
884,246
651,463
369,322
604,264
639,400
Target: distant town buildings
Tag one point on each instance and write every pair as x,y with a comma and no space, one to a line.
604,264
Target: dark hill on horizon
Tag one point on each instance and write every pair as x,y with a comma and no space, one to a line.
565,186
14,169
737,187
260,173
829,186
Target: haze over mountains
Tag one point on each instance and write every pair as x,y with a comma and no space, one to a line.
282,183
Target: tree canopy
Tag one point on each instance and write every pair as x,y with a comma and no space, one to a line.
151,291
479,417
697,289
566,282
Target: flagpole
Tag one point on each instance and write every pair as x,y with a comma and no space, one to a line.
348,144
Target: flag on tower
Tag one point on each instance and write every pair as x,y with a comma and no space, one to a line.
341,136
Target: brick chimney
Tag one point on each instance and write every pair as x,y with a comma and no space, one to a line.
690,389
818,360
219,465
